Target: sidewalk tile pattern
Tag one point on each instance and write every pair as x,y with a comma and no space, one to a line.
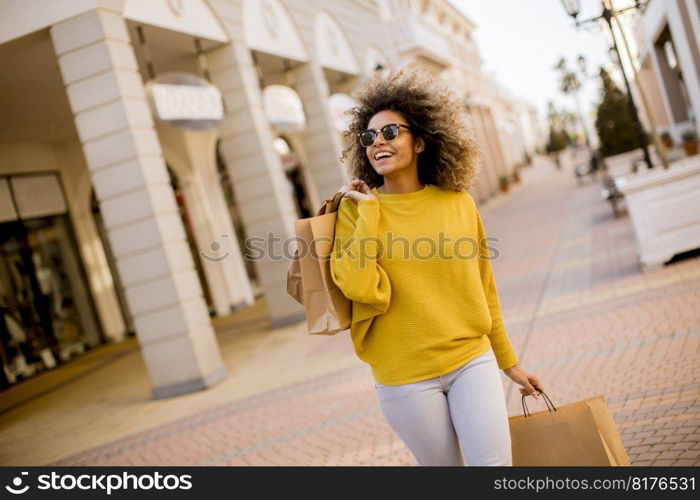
581,315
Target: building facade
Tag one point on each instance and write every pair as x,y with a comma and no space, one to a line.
438,36
154,156
667,36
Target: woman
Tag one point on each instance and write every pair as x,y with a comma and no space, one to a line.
410,253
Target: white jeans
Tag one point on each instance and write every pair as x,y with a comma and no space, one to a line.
465,409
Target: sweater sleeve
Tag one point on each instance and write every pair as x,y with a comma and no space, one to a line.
354,266
502,347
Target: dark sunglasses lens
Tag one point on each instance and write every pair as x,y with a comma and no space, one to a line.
367,138
390,132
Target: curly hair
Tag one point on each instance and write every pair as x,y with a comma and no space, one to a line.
434,112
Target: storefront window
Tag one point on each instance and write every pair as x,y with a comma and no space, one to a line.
46,313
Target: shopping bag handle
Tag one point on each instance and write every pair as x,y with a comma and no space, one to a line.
333,204
547,401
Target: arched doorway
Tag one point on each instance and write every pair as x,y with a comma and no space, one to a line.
236,220
191,242
292,168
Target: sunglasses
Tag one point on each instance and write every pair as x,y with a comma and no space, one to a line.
389,132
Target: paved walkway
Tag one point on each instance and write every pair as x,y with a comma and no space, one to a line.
580,312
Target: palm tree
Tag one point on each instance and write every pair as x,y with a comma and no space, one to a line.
570,84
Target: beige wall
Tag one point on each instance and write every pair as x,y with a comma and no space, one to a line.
682,19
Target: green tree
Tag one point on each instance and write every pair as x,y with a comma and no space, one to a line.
558,140
613,119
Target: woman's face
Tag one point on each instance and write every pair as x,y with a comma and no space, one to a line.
403,150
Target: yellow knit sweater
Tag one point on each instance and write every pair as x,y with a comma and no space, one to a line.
416,268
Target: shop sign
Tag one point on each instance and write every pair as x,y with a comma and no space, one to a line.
283,108
33,195
186,101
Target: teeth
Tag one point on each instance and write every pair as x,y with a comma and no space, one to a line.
383,154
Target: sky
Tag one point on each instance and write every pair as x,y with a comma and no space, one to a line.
520,41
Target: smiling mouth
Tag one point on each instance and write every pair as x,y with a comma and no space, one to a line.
382,156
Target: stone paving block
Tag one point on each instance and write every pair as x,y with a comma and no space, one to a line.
663,463
648,455
635,450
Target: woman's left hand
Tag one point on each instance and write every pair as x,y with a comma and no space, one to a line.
529,382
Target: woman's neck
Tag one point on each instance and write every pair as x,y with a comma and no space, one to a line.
396,188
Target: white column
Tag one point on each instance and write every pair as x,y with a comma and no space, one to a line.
693,8
489,174
494,142
322,144
260,185
657,71
685,42
192,154
76,183
131,184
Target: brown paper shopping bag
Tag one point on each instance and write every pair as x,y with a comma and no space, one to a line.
581,433
309,279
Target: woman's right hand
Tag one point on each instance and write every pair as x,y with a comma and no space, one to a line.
357,189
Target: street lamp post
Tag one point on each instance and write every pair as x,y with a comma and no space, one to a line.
573,8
